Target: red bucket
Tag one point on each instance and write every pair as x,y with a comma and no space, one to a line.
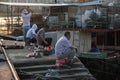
60,62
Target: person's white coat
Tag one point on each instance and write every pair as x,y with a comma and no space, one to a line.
32,32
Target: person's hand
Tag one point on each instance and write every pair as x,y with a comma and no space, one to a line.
76,49
73,47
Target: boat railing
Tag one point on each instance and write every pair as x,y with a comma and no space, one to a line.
62,24
109,47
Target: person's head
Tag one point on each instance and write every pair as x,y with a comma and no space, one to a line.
67,34
44,25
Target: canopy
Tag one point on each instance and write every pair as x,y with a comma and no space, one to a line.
58,4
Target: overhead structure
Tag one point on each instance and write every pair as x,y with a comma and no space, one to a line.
58,4
12,10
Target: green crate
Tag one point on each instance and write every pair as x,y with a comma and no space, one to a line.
99,55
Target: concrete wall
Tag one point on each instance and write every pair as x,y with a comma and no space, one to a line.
85,41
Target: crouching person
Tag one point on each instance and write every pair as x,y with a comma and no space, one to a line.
42,41
31,35
64,50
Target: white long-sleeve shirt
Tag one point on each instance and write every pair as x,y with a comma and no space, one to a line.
62,44
26,19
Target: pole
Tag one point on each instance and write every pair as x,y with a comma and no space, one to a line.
11,20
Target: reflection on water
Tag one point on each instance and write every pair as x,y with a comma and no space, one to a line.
8,24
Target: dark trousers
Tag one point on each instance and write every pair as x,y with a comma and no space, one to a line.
49,40
28,41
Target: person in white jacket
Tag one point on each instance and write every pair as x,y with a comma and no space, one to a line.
31,34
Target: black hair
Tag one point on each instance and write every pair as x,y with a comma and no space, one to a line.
66,33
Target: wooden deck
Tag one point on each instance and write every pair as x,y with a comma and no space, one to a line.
28,67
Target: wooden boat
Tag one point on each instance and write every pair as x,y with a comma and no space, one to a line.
11,37
37,68
106,64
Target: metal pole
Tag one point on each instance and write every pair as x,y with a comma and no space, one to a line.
18,17
7,21
115,39
11,20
